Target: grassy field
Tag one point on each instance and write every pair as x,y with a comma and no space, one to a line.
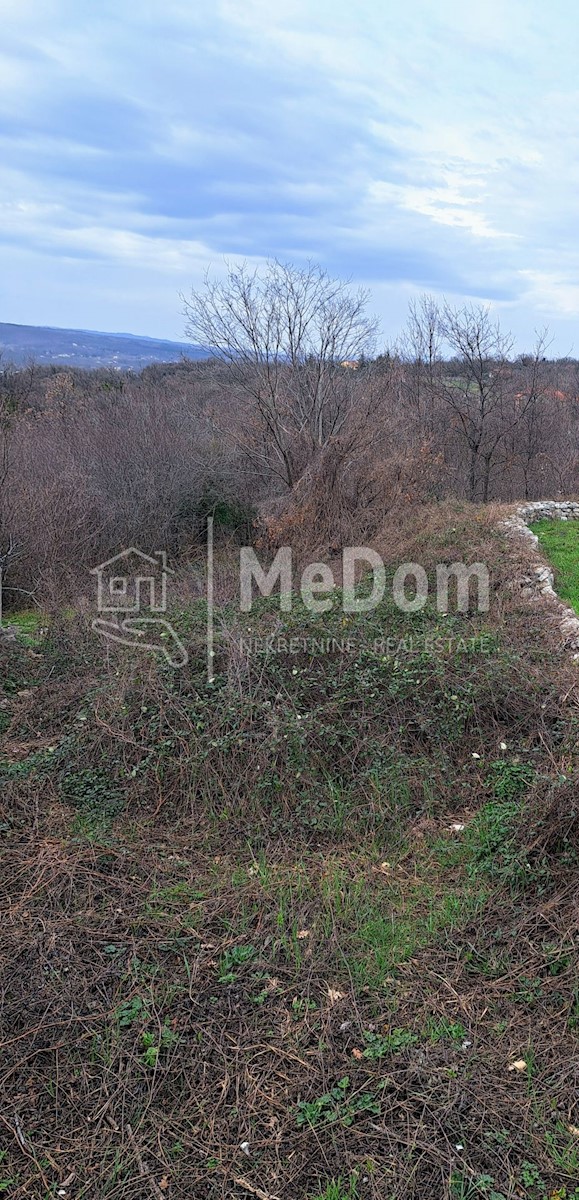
307,933
560,542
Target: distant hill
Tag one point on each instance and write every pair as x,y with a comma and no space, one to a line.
87,348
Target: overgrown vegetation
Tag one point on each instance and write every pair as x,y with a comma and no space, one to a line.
296,432
308,931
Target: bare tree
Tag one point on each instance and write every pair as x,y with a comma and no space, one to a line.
533,434
15,389
419,349
284,334
486,394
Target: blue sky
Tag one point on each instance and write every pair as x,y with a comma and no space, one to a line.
412,147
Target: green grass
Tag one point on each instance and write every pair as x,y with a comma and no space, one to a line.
560,542
28,623
339,1189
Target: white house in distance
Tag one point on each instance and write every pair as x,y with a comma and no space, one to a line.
133,581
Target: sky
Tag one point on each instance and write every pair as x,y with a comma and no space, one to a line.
408,147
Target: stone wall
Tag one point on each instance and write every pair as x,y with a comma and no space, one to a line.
539,584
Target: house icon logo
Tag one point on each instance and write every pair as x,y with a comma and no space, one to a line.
131,595
132,581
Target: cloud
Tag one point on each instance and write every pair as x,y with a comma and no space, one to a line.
422,148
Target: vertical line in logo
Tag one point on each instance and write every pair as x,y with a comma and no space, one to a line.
210,602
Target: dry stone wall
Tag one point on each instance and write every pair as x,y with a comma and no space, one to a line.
540,582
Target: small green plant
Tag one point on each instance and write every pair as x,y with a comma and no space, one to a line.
557,958
301,1006
340,1189
439,1029
509,779
96,798
232,959
490,848
497,1137
260,997
467,1188
151,1050
91,788
529,991
531,1176
130,1011
336,1106
152,1046
563,1149
378,1045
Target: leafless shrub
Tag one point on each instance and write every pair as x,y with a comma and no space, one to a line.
289,420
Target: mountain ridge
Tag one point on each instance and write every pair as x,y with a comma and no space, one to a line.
47,344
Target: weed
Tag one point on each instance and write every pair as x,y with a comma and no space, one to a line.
301,1006
173,896
336,1106
378,1045
563,1150
340,1189
489,848
530,1175
232,959
439,1029
153,1045
90,788
529,991
131,1011
465,1188
509,779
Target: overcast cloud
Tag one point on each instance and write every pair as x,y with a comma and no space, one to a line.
413,147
